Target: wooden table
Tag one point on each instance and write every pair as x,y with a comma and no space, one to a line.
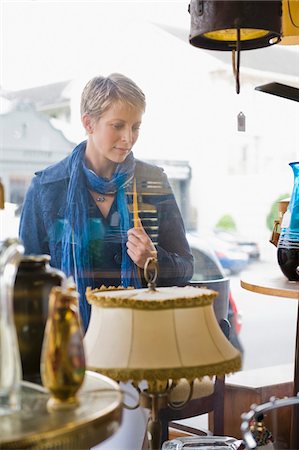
96,418
257,386
277,285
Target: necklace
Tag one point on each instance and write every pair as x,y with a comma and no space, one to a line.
101,198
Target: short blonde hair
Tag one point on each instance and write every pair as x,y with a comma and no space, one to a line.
101,92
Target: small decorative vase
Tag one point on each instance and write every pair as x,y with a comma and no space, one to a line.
63,359
288,244
34,281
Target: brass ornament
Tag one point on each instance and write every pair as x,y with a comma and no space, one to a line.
63,359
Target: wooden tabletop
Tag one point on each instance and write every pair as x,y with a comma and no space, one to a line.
275,284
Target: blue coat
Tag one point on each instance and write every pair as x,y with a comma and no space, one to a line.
42,221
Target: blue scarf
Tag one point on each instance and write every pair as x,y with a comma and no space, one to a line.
75,259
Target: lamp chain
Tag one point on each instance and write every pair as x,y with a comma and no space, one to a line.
236,66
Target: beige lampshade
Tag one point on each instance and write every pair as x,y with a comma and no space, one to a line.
171,333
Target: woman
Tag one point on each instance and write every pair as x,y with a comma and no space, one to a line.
100,213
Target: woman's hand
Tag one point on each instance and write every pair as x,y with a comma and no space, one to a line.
139,245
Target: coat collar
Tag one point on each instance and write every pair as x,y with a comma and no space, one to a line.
55,172
58,171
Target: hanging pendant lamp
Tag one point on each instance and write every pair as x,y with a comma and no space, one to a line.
214,24
235,26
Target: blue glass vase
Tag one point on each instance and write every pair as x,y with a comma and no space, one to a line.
288,244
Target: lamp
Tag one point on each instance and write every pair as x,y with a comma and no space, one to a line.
257,411
290,22
281,90
158,335
290,36
235,26
1,195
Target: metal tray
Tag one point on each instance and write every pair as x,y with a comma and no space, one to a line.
202,443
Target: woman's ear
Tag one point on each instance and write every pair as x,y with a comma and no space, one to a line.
87,123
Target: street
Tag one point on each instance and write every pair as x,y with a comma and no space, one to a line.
268,323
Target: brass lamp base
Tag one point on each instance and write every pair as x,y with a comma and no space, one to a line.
154,401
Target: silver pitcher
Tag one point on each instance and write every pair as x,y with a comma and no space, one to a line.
11,251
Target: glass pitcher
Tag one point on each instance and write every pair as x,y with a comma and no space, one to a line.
288,244
11,251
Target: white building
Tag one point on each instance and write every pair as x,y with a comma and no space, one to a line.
28,143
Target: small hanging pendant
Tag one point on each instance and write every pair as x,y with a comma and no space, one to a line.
101,198
241,121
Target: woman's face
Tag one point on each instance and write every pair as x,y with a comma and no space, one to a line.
111,138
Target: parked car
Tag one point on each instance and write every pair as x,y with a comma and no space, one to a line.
250,247
232,259
207,266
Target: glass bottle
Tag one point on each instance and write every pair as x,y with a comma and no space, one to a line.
288,244
10,363
34,281
63,359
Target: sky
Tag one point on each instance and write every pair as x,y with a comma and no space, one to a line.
48,41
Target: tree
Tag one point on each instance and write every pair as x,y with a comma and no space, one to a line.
226,222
